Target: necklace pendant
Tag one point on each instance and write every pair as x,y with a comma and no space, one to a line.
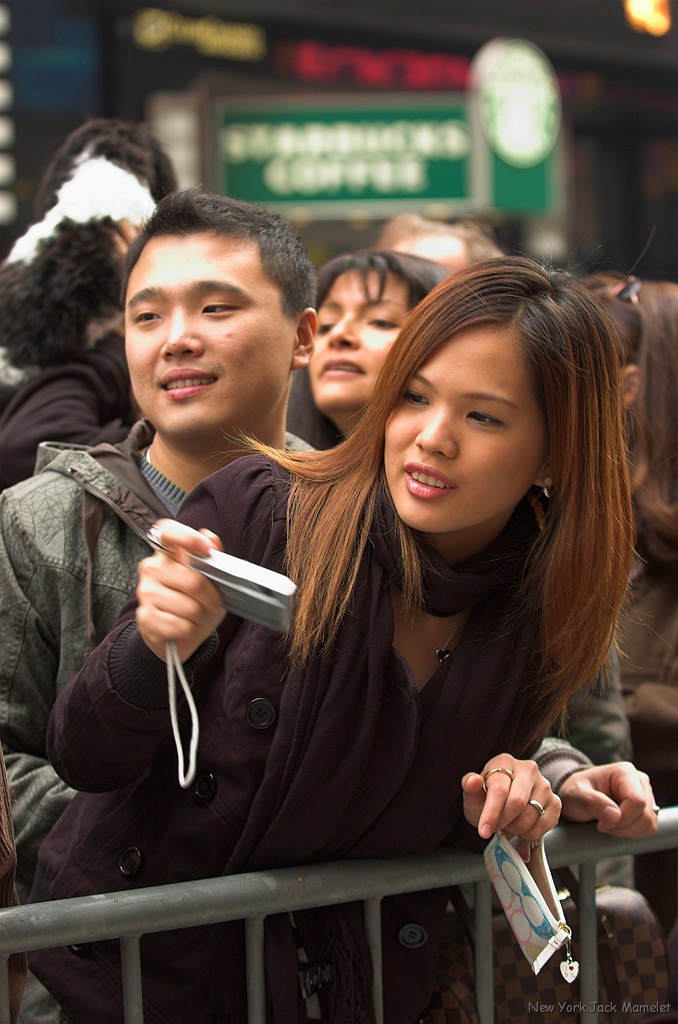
442,654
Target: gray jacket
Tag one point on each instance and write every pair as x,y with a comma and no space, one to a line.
71,538
70,541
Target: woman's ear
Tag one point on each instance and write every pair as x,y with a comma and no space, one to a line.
544,480
630,385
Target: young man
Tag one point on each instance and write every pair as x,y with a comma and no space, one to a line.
219,311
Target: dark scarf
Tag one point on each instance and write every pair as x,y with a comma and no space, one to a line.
350,721
355,770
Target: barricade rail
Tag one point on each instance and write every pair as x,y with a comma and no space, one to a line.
253,896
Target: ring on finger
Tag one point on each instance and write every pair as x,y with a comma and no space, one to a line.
538,807
504,771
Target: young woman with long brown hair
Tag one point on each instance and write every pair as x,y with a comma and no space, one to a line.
460,560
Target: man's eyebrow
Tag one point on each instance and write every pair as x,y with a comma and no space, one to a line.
145,295
196,288
225,287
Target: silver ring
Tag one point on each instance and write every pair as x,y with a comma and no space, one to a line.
656,808
538,807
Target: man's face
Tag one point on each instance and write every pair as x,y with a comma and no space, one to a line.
208,345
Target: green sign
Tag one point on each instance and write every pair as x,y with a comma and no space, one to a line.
516,109
376,155
334,157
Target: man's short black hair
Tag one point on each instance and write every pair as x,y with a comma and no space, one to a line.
193,211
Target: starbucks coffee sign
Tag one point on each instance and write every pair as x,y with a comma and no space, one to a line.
374,153
334,156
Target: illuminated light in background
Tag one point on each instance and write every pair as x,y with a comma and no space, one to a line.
651,16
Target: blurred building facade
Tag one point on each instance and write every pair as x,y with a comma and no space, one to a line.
191,65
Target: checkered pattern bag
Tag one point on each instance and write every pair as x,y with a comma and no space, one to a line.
633,978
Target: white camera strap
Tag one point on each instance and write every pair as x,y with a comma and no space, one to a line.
175,669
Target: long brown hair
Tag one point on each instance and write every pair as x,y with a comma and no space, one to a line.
577,573
646,314
655,427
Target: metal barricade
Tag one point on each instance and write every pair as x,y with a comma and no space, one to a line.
252,897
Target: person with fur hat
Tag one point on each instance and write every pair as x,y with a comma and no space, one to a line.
219,297
63,375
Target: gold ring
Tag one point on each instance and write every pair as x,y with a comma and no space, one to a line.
538,807
504,771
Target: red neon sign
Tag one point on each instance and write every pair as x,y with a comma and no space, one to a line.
313,61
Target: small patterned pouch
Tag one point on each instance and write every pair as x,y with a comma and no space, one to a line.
522,880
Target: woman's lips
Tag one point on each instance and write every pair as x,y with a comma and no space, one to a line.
338,369
425,478
424,482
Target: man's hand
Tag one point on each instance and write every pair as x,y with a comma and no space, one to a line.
617,796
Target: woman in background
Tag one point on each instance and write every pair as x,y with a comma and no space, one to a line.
363,299
647,318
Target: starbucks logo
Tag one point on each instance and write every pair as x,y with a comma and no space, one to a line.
518,101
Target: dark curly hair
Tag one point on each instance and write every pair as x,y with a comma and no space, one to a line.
55,306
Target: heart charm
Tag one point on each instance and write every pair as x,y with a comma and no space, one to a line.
569,970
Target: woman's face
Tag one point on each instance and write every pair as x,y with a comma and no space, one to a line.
355,332
466,443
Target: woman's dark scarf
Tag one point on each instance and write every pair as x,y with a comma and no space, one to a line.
356,770
350,718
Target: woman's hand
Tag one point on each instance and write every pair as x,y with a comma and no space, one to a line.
176,602
499,801
617,796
